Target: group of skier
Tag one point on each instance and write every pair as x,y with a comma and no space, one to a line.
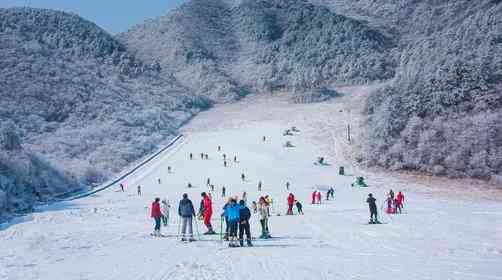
316,197
394,205
160,213
236,215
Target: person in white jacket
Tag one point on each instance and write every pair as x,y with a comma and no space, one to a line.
165,208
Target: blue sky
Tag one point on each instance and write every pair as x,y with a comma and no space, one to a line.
112,15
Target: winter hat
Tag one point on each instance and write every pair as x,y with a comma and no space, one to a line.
370,195
185,195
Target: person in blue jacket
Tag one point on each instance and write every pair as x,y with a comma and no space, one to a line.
232,212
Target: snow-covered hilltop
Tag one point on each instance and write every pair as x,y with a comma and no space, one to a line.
80,100
223,50
441,114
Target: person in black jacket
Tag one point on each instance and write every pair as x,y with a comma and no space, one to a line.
186,212
373,209
245,215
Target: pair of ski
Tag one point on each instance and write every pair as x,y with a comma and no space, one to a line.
232,245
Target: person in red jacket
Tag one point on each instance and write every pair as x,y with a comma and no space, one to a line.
156,215
400,201
207,212
318,197
314,196
291,202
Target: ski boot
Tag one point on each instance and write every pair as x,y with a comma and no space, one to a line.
210,232
241,242
249,243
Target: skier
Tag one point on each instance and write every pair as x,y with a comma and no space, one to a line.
318,197
212,188
159,181
270,204
223,191
233,216
191,156
389,204
121,187
189,185
373,209
259,186
291,202
225,163
243,177
396,206
328,194
169,169
186,212
254,206
224,157
208,182
225,217
400,198
244,216
264,138
287,186
139,190
332,192
201,155
314,194
165,207
391,194
208,212
156,215
207,156
299,207
264,214
219,148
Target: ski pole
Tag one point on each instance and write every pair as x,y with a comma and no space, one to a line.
179,229
221,229
197,228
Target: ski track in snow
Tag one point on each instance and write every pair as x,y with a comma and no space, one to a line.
107,235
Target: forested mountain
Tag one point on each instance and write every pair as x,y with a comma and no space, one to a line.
223,50
79,100
441,114
83,103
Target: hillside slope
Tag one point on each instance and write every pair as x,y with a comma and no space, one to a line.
81,101
441,113
224,50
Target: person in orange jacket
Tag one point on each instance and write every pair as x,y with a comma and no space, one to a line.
156,215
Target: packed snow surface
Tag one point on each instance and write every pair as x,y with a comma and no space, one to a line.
107,235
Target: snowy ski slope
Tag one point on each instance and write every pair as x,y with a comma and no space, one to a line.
107,235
